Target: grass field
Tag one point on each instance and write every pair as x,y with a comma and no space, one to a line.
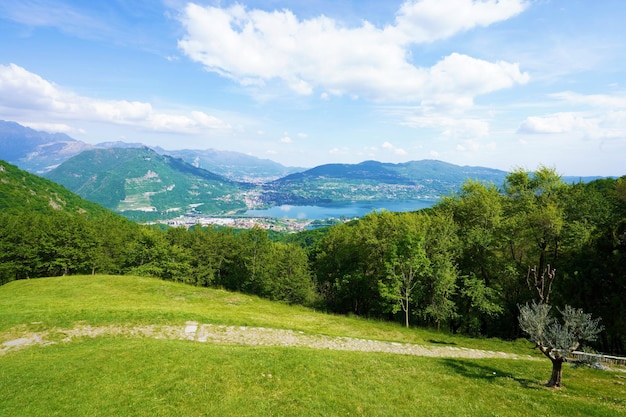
114,375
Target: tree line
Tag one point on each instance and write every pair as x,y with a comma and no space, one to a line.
41,245
465,265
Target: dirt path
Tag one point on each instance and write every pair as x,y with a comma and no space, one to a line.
236,335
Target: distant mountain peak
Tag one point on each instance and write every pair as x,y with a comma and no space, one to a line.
40,152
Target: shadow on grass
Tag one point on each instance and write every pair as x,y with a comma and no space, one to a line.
473,370
440,342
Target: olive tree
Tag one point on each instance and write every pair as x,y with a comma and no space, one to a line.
557,339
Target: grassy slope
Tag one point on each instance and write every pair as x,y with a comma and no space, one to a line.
21,190
117,376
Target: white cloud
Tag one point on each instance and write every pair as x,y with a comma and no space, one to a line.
34,96
254,47
597,117
184,124
605,126
592,100
286,139
470,145
395,150
557,123
52,127
461,127
339,151
204,120
431,20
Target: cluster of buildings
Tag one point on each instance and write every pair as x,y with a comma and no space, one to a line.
268,223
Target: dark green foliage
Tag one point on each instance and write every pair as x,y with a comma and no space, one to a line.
482,245
24,192
388,263
40,245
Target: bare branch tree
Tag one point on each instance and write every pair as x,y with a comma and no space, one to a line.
541,283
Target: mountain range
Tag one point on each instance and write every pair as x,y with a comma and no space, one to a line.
146,184
40,152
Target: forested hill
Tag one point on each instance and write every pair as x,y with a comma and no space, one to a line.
373,180
21,191
405,173
143,184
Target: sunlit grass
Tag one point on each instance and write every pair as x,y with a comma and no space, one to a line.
155,377
101,300
145,377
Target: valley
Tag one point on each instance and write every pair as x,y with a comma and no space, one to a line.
183,187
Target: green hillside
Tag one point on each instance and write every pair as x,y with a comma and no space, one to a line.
21,191
129,346
141,184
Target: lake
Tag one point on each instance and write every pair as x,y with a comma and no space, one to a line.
354,209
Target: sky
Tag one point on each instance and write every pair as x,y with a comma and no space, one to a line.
504,84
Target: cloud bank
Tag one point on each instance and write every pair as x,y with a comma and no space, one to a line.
597,117
36,97
256,47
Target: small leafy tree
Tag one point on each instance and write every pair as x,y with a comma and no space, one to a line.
556,340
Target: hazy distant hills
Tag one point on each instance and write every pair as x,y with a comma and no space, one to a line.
144,185
36,151
234,165
22,191
40,152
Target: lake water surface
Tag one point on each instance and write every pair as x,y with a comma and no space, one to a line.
354,209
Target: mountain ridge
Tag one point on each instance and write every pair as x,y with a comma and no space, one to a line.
143,184
40,152
375,181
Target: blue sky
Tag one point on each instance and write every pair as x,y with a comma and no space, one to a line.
502,84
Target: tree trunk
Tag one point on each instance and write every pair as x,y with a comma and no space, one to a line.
557,370
405,307
406,317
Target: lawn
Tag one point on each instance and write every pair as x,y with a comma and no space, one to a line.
103,300
111,375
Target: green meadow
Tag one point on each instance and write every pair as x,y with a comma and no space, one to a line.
144,376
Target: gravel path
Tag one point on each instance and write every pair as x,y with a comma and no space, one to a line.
249,336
